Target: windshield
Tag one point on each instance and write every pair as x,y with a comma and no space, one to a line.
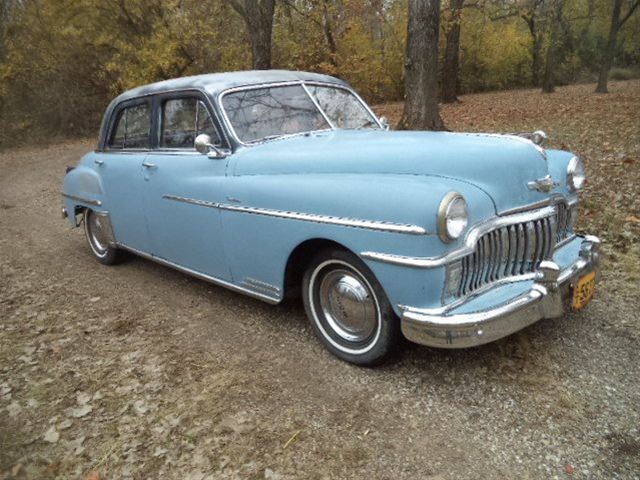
342,107
275,111
270,112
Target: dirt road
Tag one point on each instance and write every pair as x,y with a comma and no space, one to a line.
138,371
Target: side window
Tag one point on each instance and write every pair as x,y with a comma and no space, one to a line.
183,119
132,128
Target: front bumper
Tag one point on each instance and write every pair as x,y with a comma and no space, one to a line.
460,328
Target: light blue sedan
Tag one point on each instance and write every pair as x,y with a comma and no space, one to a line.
277,183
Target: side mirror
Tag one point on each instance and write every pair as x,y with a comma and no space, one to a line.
203,145
384,122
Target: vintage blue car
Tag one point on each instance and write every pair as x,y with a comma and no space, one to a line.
277,184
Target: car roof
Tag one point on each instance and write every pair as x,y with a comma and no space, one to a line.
214,83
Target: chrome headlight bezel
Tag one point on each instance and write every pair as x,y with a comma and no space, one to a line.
576,174
453,208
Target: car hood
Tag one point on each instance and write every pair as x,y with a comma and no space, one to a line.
500,165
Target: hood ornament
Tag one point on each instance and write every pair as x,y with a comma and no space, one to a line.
544,184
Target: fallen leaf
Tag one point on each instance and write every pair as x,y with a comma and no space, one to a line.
568,468
92,476
159,452
633,218
51,435
14,409
65,424
81,411
83,398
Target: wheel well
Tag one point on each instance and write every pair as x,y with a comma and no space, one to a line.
299,260
78,210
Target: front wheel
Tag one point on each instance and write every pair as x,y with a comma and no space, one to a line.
95,229
348,309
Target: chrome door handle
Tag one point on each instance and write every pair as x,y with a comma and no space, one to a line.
97,161
149,165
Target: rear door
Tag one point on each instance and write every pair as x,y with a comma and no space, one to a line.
182,187
120,166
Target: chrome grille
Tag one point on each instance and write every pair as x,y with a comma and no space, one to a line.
563,221
506,251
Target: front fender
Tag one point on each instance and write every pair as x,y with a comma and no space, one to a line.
558,162
258,245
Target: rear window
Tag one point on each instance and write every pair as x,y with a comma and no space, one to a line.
132,128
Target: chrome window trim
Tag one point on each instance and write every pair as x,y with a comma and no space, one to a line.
303,83
274,298
308,217
469,242
89,201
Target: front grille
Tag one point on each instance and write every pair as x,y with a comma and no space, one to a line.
515,249
563,221
506,251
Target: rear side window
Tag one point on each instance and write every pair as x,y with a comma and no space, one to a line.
132,128
183,119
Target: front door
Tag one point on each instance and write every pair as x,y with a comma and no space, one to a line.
120,167
182,188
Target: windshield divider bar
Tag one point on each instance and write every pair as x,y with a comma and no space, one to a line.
315,102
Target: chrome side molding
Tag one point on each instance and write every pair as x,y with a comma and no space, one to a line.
88,201
272,297
308,217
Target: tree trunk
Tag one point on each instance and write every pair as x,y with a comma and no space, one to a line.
452,54
258,17
421,67
536,60
328,34
609,50
548,82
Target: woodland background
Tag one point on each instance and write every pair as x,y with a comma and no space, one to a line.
62,61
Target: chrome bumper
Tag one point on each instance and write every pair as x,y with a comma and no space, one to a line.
545,299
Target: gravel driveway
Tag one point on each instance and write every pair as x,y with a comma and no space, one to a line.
138,371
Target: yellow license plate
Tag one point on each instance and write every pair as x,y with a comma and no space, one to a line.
583,291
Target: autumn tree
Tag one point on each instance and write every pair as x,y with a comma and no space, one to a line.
555,15
258,17
451,53
531,13
609,49
421,67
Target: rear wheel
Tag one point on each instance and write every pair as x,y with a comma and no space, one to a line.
348,309
95,229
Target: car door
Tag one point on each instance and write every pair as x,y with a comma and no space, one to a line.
182,186
120,167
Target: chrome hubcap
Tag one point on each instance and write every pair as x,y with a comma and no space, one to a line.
97,234
348,306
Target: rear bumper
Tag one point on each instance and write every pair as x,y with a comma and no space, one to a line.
542,298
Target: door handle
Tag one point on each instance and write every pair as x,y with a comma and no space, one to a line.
97,161
149,165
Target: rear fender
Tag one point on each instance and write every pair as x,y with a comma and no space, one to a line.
82,188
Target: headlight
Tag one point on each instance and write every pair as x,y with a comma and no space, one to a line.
452,217
576,174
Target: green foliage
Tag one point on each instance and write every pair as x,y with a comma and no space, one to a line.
494,55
